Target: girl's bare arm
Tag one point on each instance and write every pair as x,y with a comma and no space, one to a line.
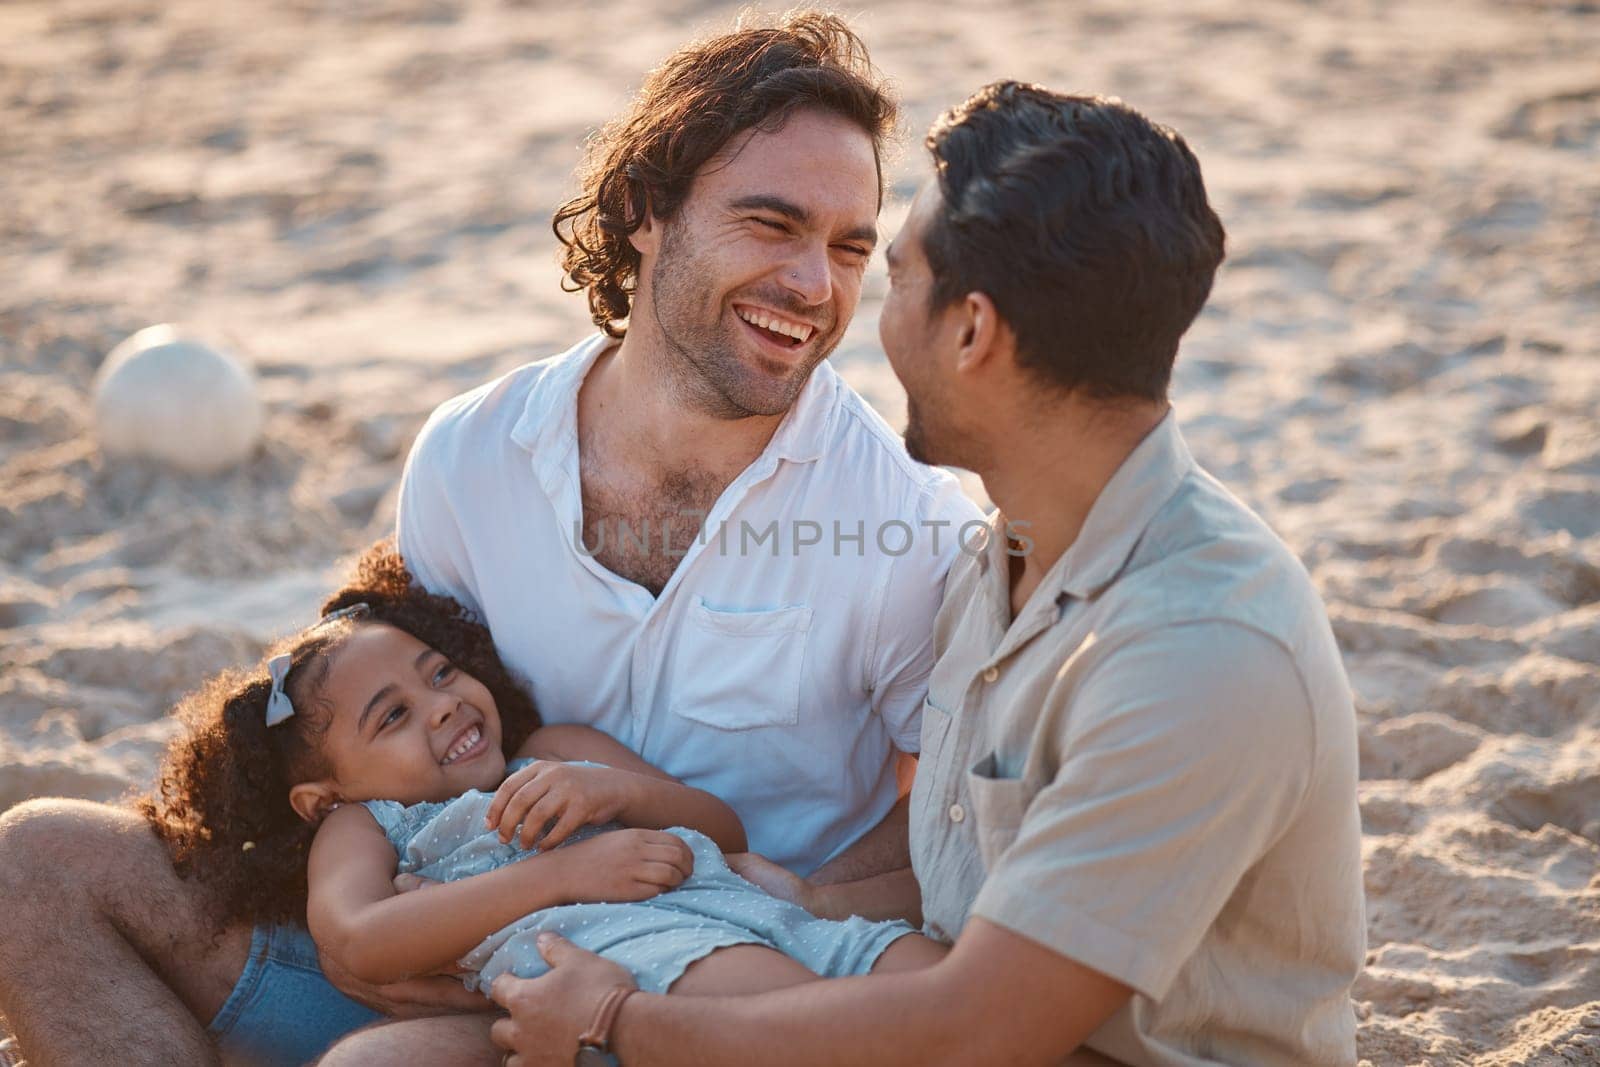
382,936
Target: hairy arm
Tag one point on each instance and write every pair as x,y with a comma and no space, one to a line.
632,791
381,936
872,878
881,850
894,895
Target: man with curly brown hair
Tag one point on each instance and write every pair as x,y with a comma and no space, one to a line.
686,531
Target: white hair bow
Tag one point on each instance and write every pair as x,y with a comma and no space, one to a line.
278,706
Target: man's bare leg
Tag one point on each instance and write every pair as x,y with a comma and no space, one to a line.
739,970
106,955
441,1041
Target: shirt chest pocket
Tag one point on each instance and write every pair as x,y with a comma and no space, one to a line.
739,670
998,806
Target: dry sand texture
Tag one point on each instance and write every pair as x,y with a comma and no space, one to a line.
1398,369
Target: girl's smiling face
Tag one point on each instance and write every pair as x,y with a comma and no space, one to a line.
406,725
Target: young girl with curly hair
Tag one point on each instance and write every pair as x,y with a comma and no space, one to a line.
389,738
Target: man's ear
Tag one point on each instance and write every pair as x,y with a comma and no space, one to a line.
646,240
981,334
313,800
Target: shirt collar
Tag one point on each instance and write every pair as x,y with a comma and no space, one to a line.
803,433
1118,519
548,425
549,421
1124,510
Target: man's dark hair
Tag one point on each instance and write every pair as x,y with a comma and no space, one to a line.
705,94
1086,224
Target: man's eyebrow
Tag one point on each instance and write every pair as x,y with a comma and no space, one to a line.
797,214
775,204
865,234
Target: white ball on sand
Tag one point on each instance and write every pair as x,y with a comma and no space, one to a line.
176,400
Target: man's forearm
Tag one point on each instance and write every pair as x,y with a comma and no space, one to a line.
980,1005
910,1021
894,895
882,849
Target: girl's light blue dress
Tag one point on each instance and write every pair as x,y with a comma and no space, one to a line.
656,939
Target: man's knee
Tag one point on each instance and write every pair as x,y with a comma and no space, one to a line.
42,840
50,844
442,1041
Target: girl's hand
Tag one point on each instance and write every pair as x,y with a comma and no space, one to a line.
624,865
571,796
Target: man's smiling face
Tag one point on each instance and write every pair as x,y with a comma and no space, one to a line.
753,281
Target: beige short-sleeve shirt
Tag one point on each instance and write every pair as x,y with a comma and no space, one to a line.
1152,771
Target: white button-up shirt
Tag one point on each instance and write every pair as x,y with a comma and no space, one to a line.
788,655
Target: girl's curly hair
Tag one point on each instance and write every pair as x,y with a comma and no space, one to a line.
703,96
221,800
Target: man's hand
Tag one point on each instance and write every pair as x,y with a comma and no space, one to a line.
568,795
412,999
779,881
548,1013
623,865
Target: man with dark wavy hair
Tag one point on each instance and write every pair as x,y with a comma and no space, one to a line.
686,531
1135,813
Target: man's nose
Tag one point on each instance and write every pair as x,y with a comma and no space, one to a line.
809,275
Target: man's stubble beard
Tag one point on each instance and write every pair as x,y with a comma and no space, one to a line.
937,439
702,363
916,439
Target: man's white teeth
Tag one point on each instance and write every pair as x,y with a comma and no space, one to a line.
466,743
799,331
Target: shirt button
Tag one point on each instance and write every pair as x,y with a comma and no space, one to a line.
957,813
991,675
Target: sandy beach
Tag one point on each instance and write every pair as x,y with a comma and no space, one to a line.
1399,369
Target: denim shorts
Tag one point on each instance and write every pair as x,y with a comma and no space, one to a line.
282,1011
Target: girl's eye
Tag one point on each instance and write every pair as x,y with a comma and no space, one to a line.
445,672
395,714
